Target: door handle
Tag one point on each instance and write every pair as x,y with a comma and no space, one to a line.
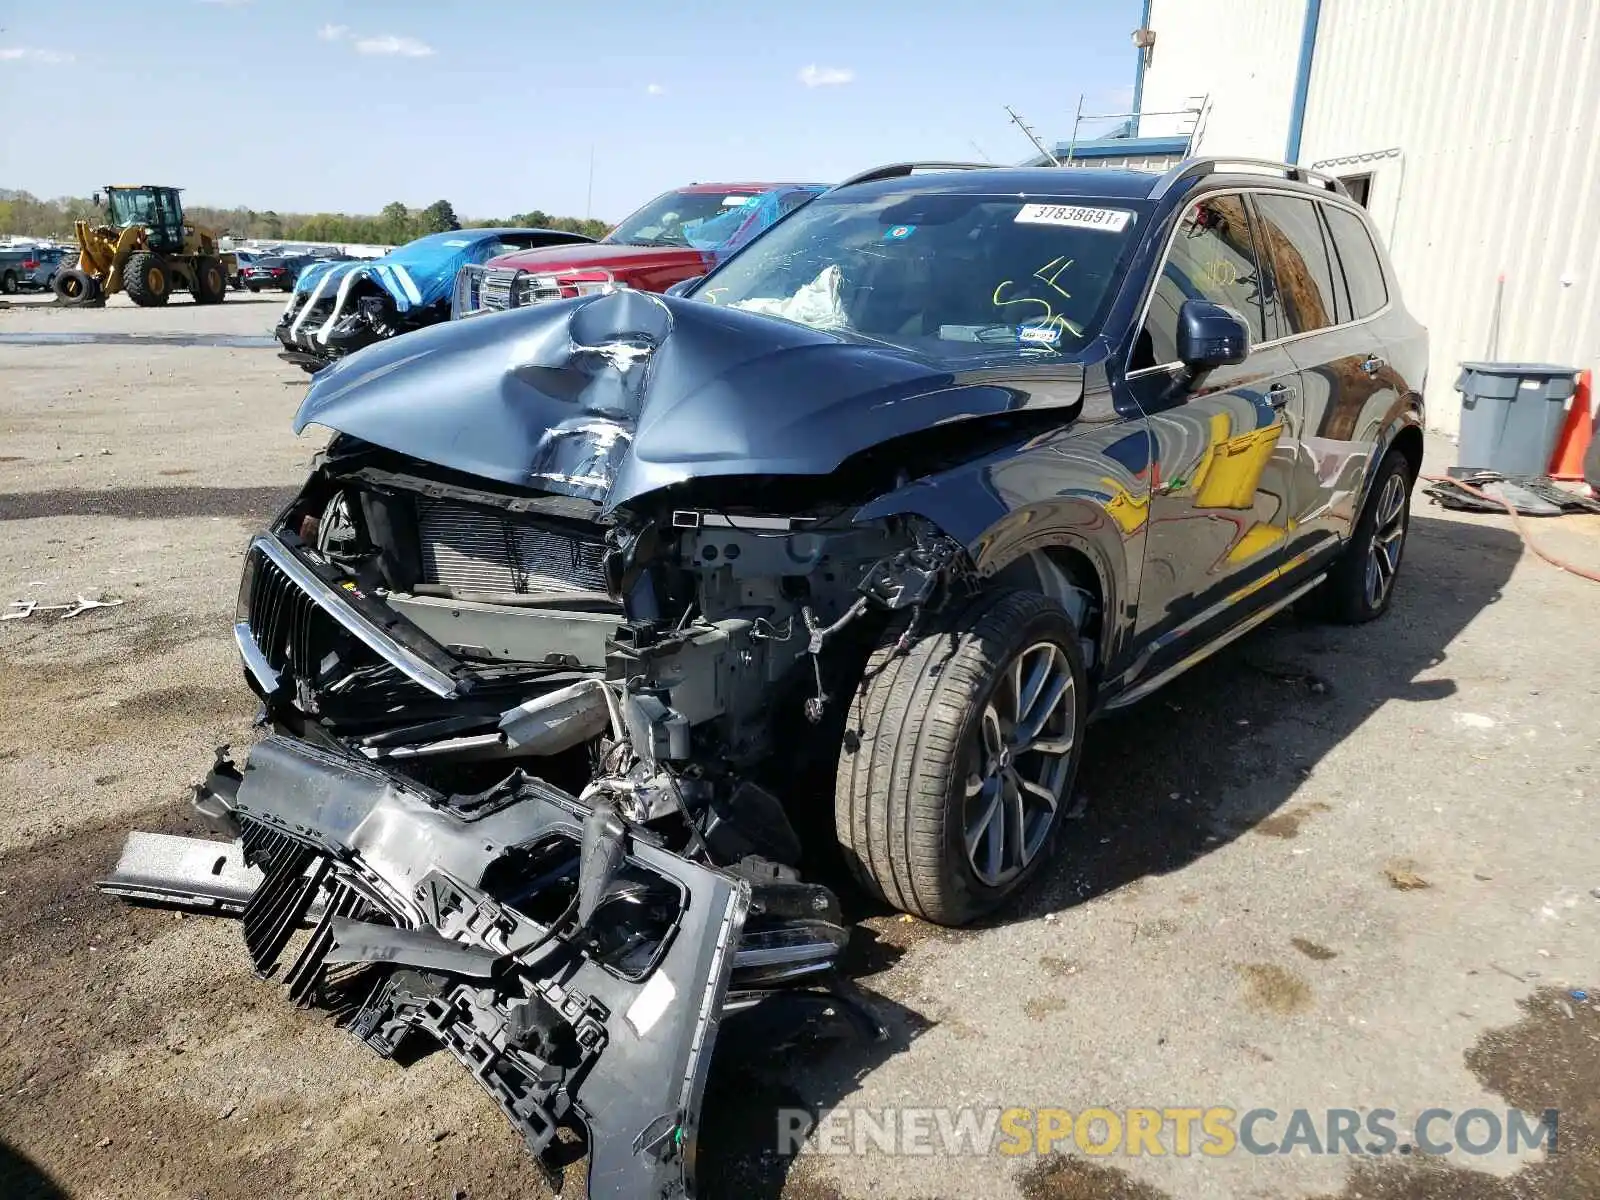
1372,364
1279,394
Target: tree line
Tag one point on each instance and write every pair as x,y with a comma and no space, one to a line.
24,215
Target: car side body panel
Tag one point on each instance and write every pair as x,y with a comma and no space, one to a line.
1082,488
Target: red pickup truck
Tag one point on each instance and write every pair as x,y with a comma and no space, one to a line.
678,235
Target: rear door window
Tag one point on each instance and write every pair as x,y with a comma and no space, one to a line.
1358,257
1212,257
1301,282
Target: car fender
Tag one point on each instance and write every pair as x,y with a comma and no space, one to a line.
1057,492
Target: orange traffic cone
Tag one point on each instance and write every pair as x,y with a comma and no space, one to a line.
1567,462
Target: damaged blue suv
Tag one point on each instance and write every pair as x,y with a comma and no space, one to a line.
598,618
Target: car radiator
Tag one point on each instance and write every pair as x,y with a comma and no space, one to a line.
470,549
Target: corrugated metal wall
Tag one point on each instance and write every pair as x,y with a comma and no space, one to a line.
1241,52
1480,124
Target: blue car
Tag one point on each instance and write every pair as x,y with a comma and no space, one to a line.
338,307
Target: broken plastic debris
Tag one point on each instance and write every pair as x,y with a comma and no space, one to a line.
26,608
1579,995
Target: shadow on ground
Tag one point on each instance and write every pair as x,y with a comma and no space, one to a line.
1236,737
20,1179
146,503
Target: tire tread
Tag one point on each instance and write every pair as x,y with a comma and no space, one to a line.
910,716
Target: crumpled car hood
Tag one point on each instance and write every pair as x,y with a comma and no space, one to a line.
608,398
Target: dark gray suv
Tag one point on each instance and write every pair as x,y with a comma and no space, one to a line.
599,618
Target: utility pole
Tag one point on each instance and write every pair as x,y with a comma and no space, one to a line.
1032,136
588,199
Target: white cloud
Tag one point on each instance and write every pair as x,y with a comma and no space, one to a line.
32,54
815,76
332,33
655,89
404,47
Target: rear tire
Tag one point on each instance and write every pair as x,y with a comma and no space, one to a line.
210,281
146,280
944,805
75,288
8,283
1360,585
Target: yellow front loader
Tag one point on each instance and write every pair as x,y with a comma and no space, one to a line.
146,250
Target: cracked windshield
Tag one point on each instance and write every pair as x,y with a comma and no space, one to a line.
944,275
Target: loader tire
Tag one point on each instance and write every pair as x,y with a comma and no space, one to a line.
146,280
917,740
75,288
210,281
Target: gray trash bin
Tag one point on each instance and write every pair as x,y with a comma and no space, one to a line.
1511,415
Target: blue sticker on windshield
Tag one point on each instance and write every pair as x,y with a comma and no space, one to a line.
1046,333
899,233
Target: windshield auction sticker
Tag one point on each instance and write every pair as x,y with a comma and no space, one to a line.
1112,220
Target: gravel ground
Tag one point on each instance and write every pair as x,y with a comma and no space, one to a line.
1347,868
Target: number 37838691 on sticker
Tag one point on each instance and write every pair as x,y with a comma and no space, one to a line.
1073,216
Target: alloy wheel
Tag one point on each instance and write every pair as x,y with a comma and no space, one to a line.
1019,763
1388,539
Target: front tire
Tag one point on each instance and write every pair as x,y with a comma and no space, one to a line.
960,755
1360,585
210,282
146,280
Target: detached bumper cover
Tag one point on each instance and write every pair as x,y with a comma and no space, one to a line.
423,909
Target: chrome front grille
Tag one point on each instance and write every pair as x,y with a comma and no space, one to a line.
288,627
505,287
295,629
471,549
495,289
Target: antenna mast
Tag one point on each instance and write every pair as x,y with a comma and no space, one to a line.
1032,136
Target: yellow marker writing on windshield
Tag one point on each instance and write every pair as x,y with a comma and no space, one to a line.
1047,275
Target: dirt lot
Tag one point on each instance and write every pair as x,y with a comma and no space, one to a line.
1328,868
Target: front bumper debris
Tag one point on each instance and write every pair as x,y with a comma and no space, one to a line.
191,873
450,919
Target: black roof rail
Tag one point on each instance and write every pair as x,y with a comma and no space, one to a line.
1190,168
896,170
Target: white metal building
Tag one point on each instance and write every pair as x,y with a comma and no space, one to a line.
1470,129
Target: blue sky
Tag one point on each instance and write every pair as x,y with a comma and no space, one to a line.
495,105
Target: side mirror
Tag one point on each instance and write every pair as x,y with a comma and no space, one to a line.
99,200
1210,335
683,285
